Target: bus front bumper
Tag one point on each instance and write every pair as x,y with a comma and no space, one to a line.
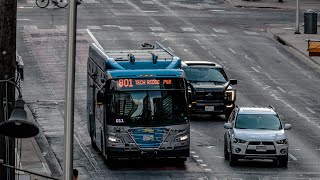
182,152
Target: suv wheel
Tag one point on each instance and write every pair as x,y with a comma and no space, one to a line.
283,161
232,160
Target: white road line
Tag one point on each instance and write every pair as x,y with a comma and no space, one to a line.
203,165
195,156
251,33
94,39
192,152
156,28
217,10
310,110
23,19
110,25
199,160
247,57
282,90
126,28
25,7
149,11
232,51
294,149
196,40
188,29
292,157
118,1
219,30
197,132
93,27
147,2
207,169
170,49
214,35
256,70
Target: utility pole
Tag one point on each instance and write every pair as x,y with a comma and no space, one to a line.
8,23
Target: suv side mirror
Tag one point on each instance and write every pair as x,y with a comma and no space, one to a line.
233,81
287,126
227,125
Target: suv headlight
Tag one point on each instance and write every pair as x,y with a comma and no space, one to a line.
236,140
283,141
114,139
231,95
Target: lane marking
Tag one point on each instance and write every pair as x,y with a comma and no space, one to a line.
203,165
247,57
195,156
94,39
149,11
217,10
118,1
156,28
171,49
310,110
282,90
207,169
192,152
251,33
147,2
93,27
196,132
256,70
219,30
292,157
125,28
214,35
110,25
232,51
23,19
188,29
197,41
199,160
25,7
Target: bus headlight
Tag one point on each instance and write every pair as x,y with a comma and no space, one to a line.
113,139
183,137
231,95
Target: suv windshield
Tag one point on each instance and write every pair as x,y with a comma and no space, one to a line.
258,121
205,74
148,108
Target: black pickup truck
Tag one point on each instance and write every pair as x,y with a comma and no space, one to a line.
213,93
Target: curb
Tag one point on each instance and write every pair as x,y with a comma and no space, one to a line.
41,141
286,43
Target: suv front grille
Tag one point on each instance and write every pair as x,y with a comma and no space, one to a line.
211,96
250,151
260,143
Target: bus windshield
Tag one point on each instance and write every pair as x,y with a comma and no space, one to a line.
147,108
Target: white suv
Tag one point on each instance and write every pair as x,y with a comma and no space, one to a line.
256,133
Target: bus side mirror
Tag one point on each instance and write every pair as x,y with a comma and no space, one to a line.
100,98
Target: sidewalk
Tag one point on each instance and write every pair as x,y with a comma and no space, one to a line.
31,158
286,35
286,4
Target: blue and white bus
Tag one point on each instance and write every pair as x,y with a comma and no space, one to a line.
137,102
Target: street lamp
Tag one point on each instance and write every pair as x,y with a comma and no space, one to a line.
18,125
297,17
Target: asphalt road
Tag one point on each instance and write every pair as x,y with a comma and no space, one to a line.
267,73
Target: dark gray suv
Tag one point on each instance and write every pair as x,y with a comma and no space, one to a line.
212,90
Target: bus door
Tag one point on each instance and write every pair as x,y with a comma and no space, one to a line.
99,118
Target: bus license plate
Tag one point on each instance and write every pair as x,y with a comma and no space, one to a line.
261,148
209,108
148,138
